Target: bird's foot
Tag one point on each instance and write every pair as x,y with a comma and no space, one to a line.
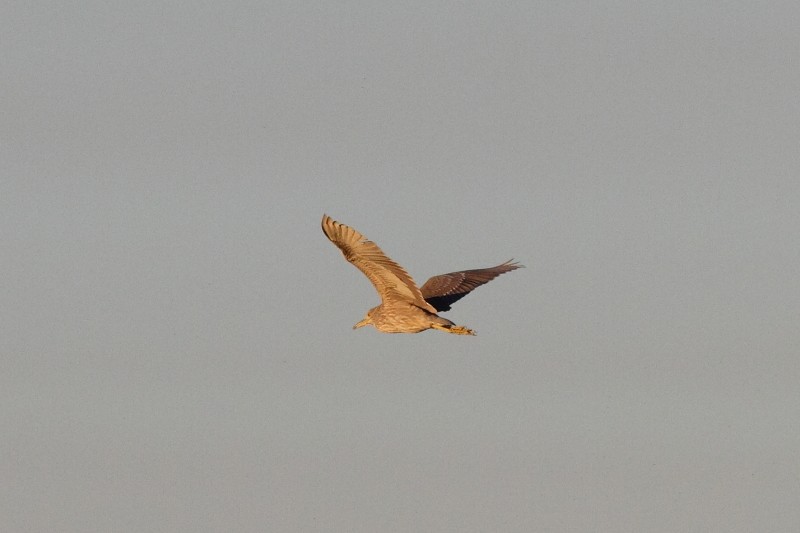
455,330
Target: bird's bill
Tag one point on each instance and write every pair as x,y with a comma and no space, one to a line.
362,323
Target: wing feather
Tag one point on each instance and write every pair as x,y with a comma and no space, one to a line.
444,290
389,279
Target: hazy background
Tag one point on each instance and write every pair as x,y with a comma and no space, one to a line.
176,346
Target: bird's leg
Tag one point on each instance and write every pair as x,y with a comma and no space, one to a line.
455,330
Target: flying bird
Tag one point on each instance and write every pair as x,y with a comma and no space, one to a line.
406,308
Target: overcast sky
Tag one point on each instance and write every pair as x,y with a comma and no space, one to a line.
175,329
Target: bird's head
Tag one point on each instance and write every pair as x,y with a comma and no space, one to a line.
366,321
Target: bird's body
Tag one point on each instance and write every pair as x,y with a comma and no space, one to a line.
401,316
404,307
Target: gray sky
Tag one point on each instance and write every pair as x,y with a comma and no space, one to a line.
176,346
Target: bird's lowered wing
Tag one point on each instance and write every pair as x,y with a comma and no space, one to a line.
443,290
389,278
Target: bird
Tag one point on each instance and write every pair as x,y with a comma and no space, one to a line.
406,308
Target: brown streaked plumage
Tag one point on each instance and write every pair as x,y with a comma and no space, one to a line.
404,307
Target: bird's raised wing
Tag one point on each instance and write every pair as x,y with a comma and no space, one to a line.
442,291
389,278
